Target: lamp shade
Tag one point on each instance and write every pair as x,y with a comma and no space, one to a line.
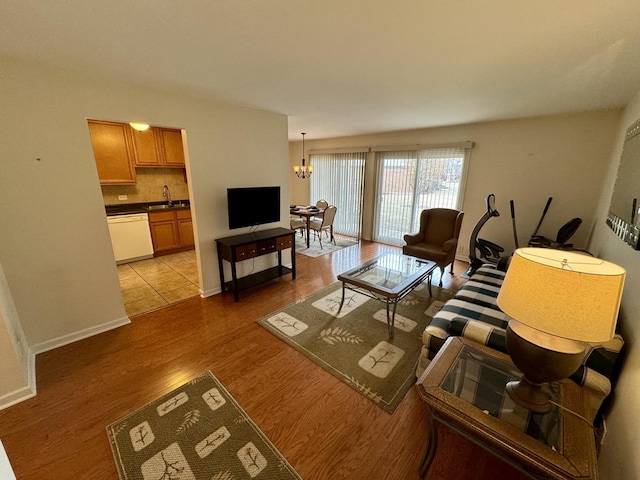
563,293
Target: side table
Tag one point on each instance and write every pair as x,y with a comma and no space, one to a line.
463,388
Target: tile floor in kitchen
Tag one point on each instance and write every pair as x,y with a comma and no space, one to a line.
157,282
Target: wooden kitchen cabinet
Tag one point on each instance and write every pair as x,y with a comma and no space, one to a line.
113,152
185,228
146,148
172,147
158,147
171,231
164,232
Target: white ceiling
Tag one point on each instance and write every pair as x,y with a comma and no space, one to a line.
345,67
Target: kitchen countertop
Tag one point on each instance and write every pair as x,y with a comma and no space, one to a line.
145,207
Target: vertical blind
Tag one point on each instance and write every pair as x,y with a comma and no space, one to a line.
412,180
338,178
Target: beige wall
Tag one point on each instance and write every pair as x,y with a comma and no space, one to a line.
619,459
55,246
527,160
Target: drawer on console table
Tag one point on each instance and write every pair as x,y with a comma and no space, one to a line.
266,246
284,242
246,251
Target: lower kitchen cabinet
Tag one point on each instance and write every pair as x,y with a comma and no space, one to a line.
185,228
171,231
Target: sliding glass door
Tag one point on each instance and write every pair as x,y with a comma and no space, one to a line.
412,180
338,178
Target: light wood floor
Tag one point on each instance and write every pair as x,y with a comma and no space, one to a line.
323,427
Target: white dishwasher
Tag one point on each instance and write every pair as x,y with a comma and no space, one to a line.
130,237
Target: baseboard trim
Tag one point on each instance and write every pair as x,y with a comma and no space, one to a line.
28,391
23,393
76,336
9,399
210,293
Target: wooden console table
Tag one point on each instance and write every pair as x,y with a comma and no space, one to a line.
250,245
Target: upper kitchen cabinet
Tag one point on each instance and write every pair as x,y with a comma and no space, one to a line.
158,147
146,148
172,146
113,152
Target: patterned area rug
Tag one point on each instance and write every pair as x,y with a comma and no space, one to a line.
197,431
355,345
314,249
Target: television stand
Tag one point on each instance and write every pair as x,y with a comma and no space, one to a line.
250,245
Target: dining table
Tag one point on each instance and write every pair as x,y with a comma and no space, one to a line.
308,212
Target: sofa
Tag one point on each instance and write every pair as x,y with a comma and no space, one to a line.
474,314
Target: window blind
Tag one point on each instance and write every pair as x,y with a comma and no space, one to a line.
338,178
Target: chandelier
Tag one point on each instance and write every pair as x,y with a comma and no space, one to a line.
303,171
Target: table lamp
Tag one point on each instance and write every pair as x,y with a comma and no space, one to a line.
557,301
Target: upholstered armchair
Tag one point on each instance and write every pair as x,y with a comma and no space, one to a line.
437,239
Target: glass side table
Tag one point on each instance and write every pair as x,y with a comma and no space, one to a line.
464,388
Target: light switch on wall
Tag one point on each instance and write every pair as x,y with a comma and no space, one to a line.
122,197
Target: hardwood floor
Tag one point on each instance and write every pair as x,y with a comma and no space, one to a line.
324,428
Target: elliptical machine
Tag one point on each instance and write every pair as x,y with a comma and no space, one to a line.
489,252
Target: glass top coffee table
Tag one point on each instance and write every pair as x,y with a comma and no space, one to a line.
388,278
464,388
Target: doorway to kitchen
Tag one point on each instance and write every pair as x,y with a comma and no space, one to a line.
143,176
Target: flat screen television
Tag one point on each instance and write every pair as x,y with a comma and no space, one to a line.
250,206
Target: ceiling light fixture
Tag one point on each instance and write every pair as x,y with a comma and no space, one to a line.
303,171
141,127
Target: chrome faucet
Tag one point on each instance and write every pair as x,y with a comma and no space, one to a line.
165,193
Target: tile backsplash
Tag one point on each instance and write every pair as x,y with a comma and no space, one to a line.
148,187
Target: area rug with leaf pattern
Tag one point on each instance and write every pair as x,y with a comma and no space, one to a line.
195,432
354,345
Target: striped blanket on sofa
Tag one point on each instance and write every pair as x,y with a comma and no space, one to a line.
474,314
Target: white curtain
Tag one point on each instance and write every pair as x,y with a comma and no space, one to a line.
412,180
338,178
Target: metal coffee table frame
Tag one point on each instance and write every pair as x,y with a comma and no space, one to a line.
398,282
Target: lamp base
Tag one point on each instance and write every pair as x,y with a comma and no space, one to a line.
529,395
541,358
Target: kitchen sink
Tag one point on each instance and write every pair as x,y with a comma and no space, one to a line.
165,206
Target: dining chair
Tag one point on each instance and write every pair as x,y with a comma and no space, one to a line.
298,223
325,224
322,205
